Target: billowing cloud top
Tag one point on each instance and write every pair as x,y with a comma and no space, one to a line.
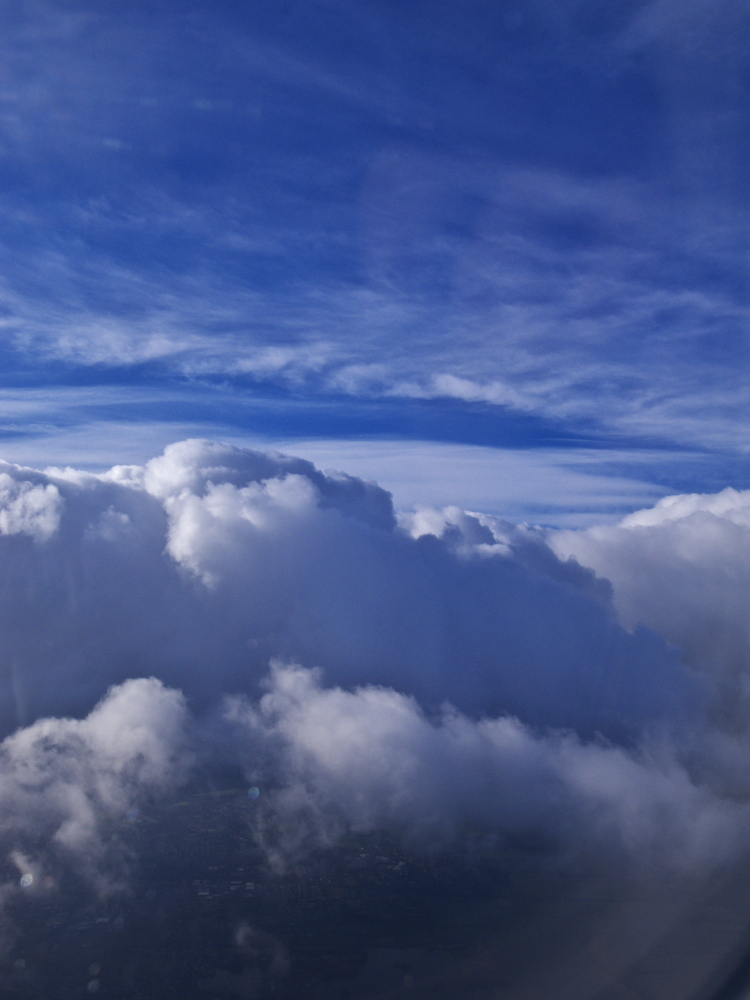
202,565
355,663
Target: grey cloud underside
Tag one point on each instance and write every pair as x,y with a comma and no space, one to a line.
432,674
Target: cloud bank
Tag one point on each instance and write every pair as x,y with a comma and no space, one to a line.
442,675
682,569
205,563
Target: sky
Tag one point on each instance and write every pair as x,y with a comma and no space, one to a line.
373,426
508,239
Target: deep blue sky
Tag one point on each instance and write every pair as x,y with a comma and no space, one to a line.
511,226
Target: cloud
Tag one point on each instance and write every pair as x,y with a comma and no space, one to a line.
443,675
235,557
681,568
28,509
372,759
68,786
565,298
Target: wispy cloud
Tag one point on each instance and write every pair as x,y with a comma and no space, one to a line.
207,233
632,333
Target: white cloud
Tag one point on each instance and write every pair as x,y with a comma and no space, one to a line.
681,568
371,759
471,679
471,391
66,784
27,508
590,330
310,566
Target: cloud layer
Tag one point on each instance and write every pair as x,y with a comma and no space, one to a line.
208,561
442,675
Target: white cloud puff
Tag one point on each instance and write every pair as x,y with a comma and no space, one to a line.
682,569
65,783
372,759
28,508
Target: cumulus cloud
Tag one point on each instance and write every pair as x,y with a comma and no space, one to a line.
372,759
28,508
442,675
682,568
207,562
67,785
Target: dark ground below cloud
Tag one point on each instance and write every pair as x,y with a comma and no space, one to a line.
203,917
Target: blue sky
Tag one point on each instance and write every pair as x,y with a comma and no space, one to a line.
493,254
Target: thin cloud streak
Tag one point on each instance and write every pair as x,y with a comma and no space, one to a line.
427,262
